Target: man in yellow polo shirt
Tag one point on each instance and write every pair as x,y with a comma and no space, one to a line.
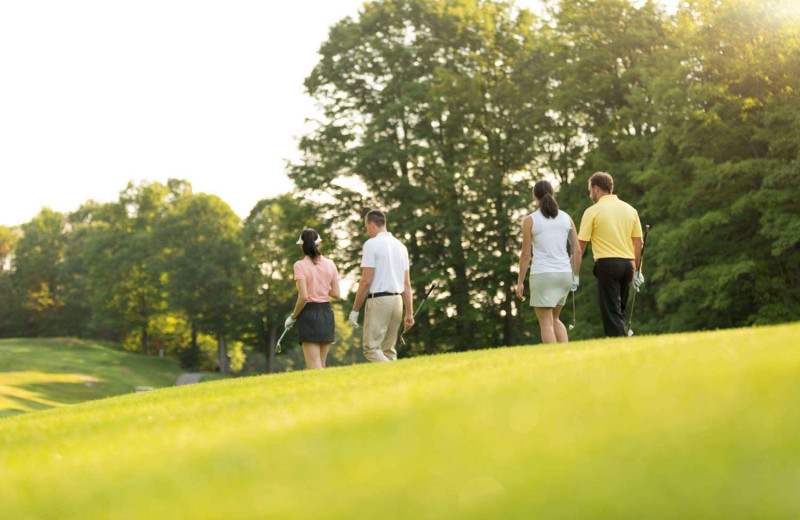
613,228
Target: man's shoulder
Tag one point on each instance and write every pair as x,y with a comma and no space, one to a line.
626,206
591,211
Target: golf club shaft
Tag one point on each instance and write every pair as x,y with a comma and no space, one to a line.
574,315
278,345
641,263
433,286
424,299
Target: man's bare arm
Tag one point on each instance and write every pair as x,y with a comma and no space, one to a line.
363,287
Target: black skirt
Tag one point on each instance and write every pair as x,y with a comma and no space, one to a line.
316,323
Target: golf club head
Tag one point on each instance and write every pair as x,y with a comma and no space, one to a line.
630,332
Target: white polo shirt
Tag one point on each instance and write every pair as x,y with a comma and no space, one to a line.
390,259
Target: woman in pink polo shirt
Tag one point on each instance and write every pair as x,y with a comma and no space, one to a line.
317,282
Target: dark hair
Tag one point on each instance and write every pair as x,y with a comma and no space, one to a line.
602,180
543,191
309,237
377,217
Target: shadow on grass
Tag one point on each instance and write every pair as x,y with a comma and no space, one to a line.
68,393
30,404
11,412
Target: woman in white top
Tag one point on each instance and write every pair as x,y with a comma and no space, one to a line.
553,274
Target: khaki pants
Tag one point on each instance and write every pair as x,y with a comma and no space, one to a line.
382,320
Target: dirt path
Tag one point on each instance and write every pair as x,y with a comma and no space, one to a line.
189,378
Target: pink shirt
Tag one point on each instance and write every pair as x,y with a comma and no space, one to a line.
319,277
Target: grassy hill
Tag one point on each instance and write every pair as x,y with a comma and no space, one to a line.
683,426
37,374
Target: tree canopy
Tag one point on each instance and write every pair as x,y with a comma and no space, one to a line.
444,113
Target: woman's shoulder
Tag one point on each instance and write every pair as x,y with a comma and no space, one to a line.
323,260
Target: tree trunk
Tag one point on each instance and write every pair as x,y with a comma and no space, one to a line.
273,339
222,355
144,340
459,287
425,328
195,349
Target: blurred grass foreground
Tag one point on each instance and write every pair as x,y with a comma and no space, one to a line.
701,425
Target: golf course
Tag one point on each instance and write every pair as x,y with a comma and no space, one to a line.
699,425
42,373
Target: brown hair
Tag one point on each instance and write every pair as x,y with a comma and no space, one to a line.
543,191
377,217
310,248
603,181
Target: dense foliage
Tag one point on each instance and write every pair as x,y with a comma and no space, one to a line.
444,113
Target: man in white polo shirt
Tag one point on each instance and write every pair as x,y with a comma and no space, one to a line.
386,287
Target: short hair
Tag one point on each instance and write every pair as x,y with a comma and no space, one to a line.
603,181
377,217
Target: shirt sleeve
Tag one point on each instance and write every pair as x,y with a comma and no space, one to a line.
298,272
368,255
335,274
587,223
637,227
406,265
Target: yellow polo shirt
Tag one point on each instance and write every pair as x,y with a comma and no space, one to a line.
609,225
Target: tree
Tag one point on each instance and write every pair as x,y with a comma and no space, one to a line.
434,107
203,258
37,261
8,238
270,232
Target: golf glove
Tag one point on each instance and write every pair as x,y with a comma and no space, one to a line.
576,281
289,322
638,280
354,318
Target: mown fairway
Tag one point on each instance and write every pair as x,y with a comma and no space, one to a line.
36,374
686,426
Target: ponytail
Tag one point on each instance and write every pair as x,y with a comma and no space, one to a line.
310,248
543,191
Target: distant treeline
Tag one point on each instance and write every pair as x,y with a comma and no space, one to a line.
444,113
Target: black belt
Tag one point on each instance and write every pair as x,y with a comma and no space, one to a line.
379,294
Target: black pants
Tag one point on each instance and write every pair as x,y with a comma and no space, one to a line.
614,277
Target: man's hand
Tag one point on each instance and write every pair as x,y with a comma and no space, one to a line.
354,318
638,280
576,281
409,322
521,290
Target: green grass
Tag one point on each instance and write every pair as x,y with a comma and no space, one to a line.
37,374
684,426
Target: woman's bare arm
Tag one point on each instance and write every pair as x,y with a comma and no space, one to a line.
302,298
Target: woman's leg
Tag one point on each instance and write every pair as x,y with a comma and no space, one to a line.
545,315
311,353
323,352
558,327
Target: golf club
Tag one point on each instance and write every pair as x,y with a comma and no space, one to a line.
571,240
641,262
433,286
278,346
574,319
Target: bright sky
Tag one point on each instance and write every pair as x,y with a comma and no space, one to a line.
97,93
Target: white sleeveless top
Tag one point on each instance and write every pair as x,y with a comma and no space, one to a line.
550,236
